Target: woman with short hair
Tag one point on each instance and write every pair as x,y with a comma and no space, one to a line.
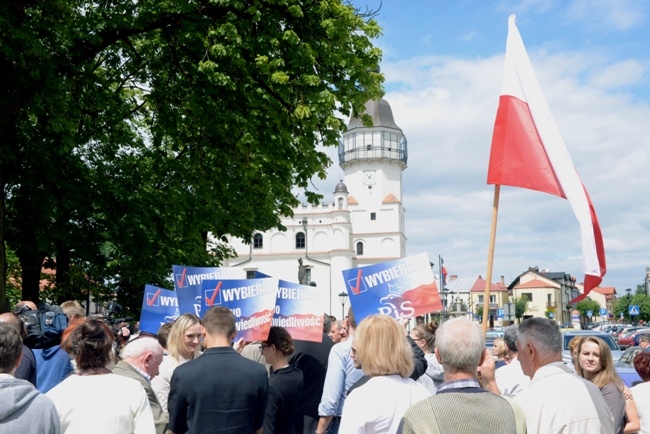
285,383
94,400
595,364
381,350
183,345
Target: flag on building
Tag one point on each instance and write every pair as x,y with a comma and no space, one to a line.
528,152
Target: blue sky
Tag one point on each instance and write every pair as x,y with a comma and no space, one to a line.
443,62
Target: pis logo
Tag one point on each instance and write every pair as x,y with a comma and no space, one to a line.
395,306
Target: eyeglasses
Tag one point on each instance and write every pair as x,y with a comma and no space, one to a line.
262,346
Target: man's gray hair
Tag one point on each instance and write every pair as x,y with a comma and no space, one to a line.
543,332
460,343
139,346
510,338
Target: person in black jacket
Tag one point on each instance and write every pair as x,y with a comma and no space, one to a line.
311,358
285,383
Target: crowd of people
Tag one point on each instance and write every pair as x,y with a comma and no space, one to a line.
378,376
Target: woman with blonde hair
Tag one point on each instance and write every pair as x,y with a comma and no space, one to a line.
595,364
183,345
381,350
499,351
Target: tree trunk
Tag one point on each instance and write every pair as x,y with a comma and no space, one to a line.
4,302
31,263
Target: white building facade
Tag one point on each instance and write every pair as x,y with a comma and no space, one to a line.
363,225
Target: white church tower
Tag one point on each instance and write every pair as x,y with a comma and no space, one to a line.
363,225
373,160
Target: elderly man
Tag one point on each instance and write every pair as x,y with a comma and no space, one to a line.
22,408
141,359
556,400
460,404
510,378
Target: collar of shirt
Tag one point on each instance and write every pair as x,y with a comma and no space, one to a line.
141,372
459,384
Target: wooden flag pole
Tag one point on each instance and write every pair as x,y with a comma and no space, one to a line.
488,277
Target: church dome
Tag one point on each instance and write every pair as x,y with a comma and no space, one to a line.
381,114
341,188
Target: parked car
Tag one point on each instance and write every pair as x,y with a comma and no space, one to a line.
625,367
570,334
626,337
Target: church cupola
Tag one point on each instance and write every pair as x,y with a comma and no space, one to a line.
383,141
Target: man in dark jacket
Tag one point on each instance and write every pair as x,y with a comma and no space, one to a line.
311,358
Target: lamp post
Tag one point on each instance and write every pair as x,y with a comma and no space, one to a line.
629,303
343,296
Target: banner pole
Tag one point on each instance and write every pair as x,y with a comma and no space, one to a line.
488,276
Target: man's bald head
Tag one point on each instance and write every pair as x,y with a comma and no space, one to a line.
11,319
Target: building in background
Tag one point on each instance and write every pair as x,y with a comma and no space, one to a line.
363,224
548,293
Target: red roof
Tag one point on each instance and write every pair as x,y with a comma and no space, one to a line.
605,290
535,283
479,286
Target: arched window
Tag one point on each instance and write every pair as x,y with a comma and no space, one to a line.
359,248
300,240
340,203
258,241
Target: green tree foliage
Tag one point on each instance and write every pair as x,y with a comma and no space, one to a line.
521,306
585,305
131,130
638,299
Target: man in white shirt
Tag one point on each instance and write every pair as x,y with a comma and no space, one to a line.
556,400
510,378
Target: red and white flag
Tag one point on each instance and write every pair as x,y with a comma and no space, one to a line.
528,151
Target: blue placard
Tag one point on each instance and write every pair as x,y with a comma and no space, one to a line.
590,313
402,288
298,309
633,310
251,300
500,313
187,283
158,307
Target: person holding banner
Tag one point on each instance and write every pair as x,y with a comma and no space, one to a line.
285,383
380,349
183,345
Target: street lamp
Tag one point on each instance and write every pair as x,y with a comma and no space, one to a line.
343,296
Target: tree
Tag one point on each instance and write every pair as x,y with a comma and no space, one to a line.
622,304
521,306
131,130
585,305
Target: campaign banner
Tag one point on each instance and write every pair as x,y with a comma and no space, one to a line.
403,288
158,307
187,283
297,309
251,300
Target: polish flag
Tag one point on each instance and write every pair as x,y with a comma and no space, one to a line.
528,151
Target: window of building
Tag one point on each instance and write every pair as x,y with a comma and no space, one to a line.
258,241
340,203
480,298
359,248
250,274
373,216
548,299
493,298
528,295
300,240
308,275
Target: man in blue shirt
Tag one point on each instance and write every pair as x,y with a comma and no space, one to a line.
341,375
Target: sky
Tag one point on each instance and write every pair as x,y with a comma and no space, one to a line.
443,64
